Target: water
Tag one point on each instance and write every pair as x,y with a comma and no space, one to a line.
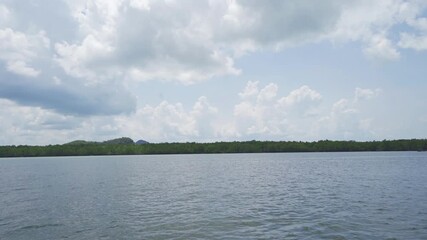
236,196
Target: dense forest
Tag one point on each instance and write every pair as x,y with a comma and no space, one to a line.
126,146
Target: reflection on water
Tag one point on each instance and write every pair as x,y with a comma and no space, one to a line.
236,196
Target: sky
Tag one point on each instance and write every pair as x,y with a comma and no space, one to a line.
206,71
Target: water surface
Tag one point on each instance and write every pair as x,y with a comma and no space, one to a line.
221,196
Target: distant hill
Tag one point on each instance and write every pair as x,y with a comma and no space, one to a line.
116,141
81,142
140,142
122,140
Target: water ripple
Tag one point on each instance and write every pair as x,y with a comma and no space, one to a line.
38,226
239,196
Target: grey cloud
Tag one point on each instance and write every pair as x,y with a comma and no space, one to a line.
273,22
68,99
74,96
193,40
167,35
155,35
61,124
52,16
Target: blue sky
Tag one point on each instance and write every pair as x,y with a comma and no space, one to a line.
176,71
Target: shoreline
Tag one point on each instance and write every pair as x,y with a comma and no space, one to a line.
104,149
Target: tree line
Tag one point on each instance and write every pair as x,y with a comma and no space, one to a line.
82,148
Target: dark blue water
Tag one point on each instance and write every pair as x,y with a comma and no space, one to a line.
238,196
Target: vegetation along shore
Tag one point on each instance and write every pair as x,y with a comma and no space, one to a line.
126,146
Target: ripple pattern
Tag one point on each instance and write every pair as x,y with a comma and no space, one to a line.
236,196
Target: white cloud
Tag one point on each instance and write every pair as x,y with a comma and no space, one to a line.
18,49
171,121
163,122
34,125
198,40
20,67
28,54
418,23
416,40
170,44
300,115
418,43
250,90
77,59
366,94
268,93
370,22
140,4
381,48
302,94
346,119
202,106
343,106
260,112
39,126
360,20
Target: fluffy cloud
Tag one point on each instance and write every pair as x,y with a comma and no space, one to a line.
300,96
250,90
165,121
366,94
346,119
20,67
31,74
372,22
171,121
299,115
412,41
18,50
262,112
381,48
142,40
417,40
34,125
197,40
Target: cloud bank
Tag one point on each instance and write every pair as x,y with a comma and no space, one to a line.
81,58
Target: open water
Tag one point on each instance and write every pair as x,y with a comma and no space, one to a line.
226,196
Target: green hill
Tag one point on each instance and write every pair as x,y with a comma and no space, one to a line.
122,140
81,142
115,141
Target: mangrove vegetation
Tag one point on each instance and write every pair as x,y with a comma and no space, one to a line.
126,146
